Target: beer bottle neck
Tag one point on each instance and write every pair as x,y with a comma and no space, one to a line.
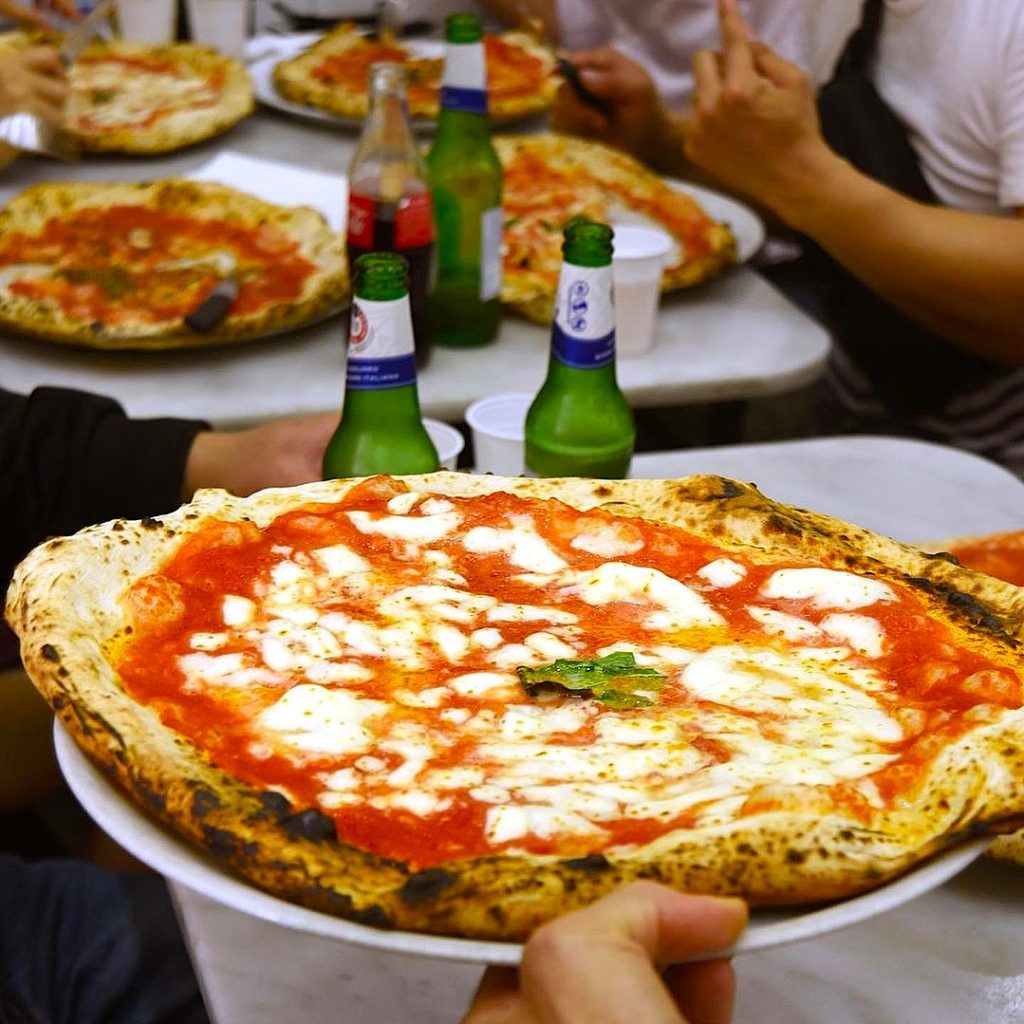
464,85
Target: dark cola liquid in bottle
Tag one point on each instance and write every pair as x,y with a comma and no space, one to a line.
389,205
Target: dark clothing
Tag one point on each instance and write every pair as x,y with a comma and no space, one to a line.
69,459
79,945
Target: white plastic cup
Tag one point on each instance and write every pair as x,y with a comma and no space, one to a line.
498,424
220,24
147,21
637,262
448,441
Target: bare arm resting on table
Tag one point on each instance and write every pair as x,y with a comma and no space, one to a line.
754,128
617,962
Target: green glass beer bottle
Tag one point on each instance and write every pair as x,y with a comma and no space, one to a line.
465,179
580,424
380,430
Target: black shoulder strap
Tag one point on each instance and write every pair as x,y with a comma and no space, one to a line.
860,47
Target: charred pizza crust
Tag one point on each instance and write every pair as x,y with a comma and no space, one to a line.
612,183
101,82
64,603
295,81
322,290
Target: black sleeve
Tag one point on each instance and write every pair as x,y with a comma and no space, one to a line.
69,459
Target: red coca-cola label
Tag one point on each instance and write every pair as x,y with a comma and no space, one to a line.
360,220
414,222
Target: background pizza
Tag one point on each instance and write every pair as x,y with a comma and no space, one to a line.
131,97
332,75
551,177
120,266
465,704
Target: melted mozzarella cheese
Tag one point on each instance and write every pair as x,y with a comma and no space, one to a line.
792,627
415,529
826,588
313,719
679,607
863,633
340,560
237,611
524,547
722,572
607,540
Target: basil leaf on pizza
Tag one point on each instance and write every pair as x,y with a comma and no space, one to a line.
614,679
323,688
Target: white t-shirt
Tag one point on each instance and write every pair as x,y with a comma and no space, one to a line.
953,71
663,35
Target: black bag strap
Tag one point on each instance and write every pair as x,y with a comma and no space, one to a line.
860,47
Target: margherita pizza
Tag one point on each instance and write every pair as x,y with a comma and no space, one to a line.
331,74
121,266
463,705
550,178
131,97
1000,555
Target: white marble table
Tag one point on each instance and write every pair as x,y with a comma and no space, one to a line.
953,956
737,338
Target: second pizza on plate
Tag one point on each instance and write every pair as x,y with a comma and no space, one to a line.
121,265
129,97
331,74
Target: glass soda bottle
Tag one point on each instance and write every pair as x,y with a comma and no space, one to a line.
580,423
381,430
465,178
389,206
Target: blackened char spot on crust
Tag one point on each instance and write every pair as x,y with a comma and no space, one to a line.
152,798
118,526
795,856
779,524
59,702
149,523
602,491
497,912
309,824
745,850
729,488
425,885
49,652
375,917
222,843
275,803
966,604
203,803
593,862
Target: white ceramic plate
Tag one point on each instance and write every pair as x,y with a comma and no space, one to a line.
181,863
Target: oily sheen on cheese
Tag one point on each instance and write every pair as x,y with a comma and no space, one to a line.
361,659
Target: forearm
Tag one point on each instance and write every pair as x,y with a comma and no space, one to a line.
960,274
518,13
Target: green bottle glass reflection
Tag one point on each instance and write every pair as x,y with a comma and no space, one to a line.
580,424
381,430
465,178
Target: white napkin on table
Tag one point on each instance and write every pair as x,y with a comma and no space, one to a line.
280,183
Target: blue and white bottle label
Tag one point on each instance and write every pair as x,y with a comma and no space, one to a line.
380,346
583,334
492,229
464,85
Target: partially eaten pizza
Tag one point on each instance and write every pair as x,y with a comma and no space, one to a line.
118,266
550,177
130,97
331,74
1000,555
465,704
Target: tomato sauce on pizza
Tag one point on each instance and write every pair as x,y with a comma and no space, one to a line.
409,664
139,264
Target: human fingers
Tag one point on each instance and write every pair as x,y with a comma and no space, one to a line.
50,90
23,14
707,79
66,9
498,999
739,72
705,992
601,58
43,60
776,69
574,117
602,963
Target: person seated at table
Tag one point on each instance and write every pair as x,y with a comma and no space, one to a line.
909,186
32,81
661,35
37,15
77,943
617,962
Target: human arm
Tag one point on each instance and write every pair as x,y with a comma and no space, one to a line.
35,16
634,119
527,13
617,961
33,81
754,128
